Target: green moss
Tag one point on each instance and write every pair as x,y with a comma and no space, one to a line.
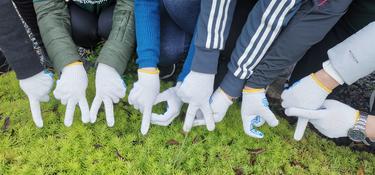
97,149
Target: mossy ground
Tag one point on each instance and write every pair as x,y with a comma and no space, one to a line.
97,149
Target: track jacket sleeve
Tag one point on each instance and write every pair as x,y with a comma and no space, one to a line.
147,29
15,44
119,47
354,58
263,25
312,22
55,29
213,28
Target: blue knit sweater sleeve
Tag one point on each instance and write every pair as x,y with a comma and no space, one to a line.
188,61
147,28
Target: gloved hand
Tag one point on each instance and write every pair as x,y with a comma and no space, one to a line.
333,119
219,103
254,107
196,90
37,89
174,106
110,88
308,93
71,89
143,95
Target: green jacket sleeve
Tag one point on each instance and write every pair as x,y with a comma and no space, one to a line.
119,47
54,24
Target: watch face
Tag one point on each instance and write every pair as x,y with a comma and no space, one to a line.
356,135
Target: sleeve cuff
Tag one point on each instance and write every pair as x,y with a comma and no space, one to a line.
232,85
328,68
205,60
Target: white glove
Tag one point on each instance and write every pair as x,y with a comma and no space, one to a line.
333,120
71,89
110,88
254,107
143,95
196,90
37,89
308,93
219,103
174,106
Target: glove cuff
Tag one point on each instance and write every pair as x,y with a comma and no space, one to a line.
262,90
75,63
320,84
156,71
220,93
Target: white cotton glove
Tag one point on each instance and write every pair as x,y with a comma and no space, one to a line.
110,88
174,106
219,103
308,93
196,90
71,90
143,95
254,108
37,89
333,119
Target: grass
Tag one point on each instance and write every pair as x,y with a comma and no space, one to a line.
97,149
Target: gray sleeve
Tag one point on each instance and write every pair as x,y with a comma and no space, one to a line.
212,30
309,26
354,58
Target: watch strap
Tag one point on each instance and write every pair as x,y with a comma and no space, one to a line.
361,122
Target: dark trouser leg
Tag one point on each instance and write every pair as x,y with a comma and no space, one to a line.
241,12
105,22
84,26
174,40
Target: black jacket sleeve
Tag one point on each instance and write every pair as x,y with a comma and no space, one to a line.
15,44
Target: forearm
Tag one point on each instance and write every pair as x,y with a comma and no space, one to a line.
212,30
353,58
147,28
119,47
16,45
54,25
293,42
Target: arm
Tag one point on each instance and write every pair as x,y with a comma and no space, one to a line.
54,25
213,27
350,60
13,39
353,58
119,47
263,25
300,34
147,23
188,61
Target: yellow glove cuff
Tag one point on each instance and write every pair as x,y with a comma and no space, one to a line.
253,90
313,76
156,71
75,63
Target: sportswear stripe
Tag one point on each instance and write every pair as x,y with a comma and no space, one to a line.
254,38
224,24
210,23
218,22
270,41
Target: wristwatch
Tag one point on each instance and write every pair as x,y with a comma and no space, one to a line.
358,132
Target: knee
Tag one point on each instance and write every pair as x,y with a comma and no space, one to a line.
83,26
105,22
169,56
